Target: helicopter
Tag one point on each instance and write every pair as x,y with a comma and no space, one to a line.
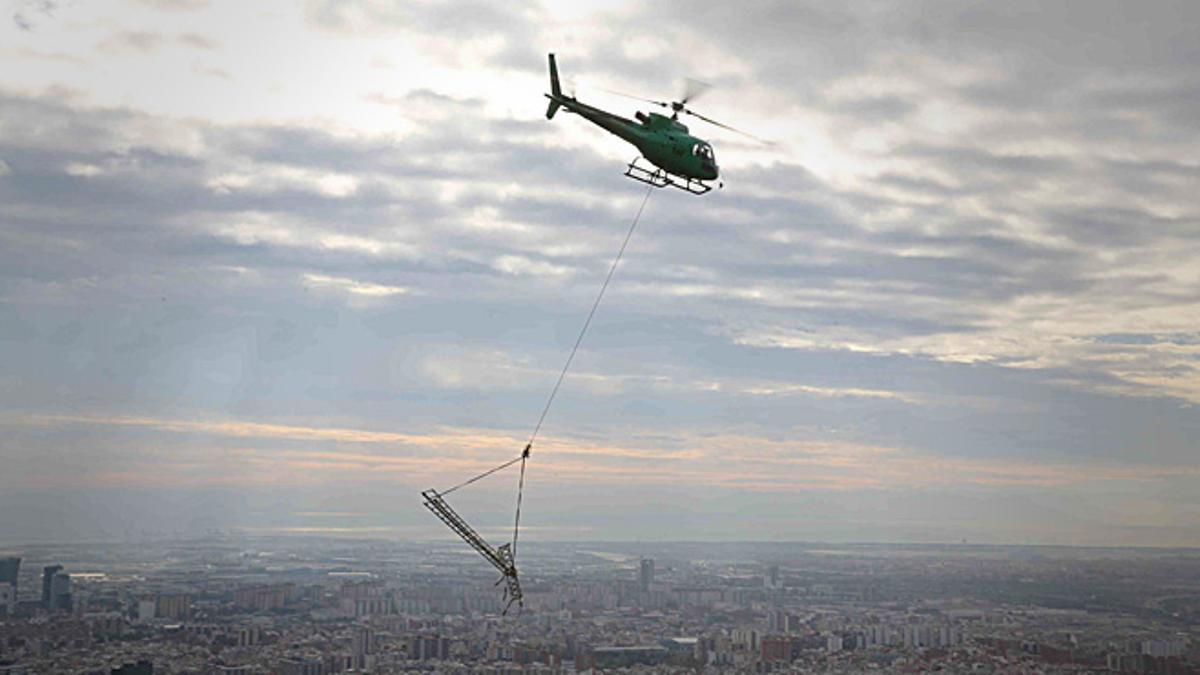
679,159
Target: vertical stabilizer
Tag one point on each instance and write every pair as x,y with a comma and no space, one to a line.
555,90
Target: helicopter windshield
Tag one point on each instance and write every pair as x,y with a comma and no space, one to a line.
703,150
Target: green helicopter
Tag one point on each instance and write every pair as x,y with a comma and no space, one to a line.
679,159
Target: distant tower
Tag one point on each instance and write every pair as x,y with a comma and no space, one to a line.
646,574
771,578
60,591
48,573
10,569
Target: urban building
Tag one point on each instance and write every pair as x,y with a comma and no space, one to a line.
56,588
625,657
772,579
646,574
363,648
249,636
8,599
301,666
272,607
172,606
139,668
10,569
430,648
48,573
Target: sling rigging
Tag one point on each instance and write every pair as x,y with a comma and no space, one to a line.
504,557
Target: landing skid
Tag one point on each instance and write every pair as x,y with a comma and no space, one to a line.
660,178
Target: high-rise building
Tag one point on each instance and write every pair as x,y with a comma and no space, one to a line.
10,568
364,647
8,599
172,605
646,574
834,643
430,647
783,621
48,573
145,609
878,636
250,636
776,648
60,591
56,588
747,638
771,578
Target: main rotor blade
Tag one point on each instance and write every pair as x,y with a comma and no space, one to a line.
636,98
726,126
694,89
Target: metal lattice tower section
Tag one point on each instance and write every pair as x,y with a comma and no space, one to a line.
501,558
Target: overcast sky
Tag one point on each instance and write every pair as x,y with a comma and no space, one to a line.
278,266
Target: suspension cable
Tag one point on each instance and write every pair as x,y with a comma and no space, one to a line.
595,305
520,491
524,456
567,366
485,474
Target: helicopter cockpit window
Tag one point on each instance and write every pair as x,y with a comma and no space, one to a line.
703,150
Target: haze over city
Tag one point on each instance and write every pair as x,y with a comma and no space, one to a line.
275,267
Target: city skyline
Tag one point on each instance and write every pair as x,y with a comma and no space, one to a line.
319,606
278,268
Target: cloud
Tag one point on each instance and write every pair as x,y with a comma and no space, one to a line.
197,41
364,216
353,287
518,265
83,170
218,73
144,41
463,32
132,41
750,463
28,13
175,5
970,263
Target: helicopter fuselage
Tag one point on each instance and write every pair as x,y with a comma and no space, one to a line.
662,140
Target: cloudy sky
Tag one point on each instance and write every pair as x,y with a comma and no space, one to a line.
278,266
